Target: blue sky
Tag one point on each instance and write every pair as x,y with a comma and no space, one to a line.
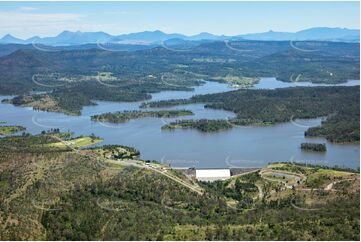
26,19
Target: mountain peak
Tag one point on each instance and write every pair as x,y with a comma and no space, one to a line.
8,38
65,32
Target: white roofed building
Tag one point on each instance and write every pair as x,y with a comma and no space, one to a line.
212,174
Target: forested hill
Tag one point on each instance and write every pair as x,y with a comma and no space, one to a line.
263,107
325,62
50,192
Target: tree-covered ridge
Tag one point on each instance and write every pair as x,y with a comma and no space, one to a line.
75,77
203,125
71,100
52,194
124,116
219,61
265,107
341,128
69,104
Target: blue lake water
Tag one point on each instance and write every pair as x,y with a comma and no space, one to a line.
237,147
272,83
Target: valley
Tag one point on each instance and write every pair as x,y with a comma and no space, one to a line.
152,136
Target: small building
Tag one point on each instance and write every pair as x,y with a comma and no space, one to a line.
212,174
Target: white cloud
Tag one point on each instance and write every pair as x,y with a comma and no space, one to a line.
25,24
27,8
120,12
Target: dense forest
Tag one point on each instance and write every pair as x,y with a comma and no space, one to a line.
52,194
332,63
340,128
71,100
265,107
73,78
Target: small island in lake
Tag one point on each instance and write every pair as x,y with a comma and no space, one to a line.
203,125
313,147
121,117
165,103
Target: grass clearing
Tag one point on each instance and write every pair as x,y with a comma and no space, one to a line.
77,142
319,178
237,81
334,172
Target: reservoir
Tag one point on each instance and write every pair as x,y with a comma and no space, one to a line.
237,147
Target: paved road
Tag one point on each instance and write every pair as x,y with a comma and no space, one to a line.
246,173
194,187
138,164
300,176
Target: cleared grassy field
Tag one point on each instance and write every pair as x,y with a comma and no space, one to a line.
334,172
238,81
321,177
76,143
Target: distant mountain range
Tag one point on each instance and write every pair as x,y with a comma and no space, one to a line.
67,38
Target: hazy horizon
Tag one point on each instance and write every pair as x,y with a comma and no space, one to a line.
26,19
167,32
